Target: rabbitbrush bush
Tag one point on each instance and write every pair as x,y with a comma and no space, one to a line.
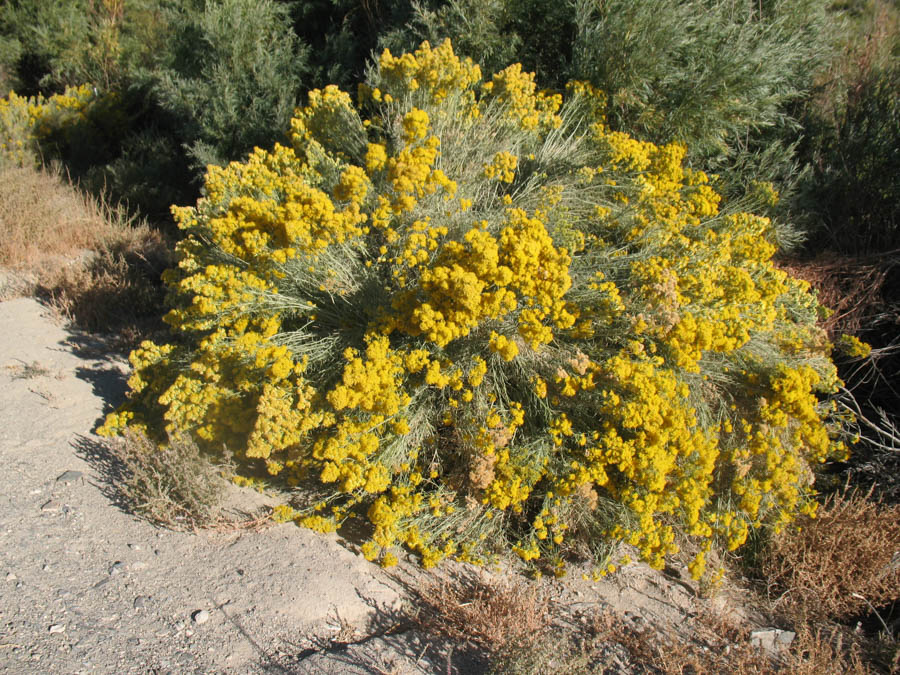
27,121
473,313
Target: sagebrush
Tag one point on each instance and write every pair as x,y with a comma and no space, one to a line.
174,486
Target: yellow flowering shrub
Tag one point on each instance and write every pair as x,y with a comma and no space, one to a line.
475,316
27,121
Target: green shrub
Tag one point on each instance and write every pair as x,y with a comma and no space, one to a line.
48,45
80,127
149,171
479,315
852,195
26,122
176,86
233,77
728,79
342,34
702,72
538,33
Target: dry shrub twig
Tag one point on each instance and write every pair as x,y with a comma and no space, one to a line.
840,563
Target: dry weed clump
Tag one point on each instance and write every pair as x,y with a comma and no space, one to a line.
523,634
495,615
829,649
174,485
839,564
722,647
117,289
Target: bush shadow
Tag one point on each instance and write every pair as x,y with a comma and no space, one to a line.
109,467
395,641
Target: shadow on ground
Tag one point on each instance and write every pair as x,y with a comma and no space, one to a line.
102,369
109,467
396,642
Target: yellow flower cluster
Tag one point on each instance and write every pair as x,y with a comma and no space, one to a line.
487,277
273,212
435,72
474,370
663,459
370,385
24,122
515,91
328,121
503,168
854,347
410,173
415,126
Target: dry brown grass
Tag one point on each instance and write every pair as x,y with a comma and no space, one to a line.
93,263
844,562
42,217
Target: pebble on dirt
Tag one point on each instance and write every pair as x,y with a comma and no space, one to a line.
69,476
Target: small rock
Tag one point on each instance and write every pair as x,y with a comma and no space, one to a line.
188,633
11,577
200,617
69,477
134,641
117,567
51,505
45,568
134,547
56,628
140,602
772,640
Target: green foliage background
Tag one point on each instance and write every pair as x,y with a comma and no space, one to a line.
212,79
